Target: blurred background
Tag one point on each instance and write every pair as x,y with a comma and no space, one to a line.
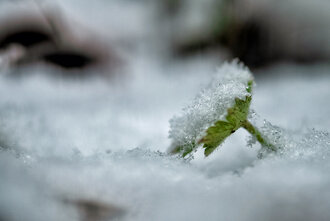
81,80
77,35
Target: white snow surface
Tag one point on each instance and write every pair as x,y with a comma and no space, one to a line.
211,104
92,139
105,140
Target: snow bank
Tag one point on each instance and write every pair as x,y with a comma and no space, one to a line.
104,165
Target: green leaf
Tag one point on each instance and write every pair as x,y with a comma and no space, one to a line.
236,116
216,135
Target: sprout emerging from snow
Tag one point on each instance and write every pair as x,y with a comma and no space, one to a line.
216,113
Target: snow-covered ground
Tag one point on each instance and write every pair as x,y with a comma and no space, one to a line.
67,142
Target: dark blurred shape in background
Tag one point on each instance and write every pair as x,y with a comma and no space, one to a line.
43,36
26,38
258,32
91,210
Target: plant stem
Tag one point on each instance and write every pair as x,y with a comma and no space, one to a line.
256,133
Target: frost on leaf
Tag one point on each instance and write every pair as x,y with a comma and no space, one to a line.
236,117
217,112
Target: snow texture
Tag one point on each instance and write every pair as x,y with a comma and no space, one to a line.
77,141
104,140
211,105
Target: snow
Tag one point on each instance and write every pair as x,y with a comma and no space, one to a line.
90,140
105,140
211,105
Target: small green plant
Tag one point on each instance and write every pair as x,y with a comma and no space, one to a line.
221,126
